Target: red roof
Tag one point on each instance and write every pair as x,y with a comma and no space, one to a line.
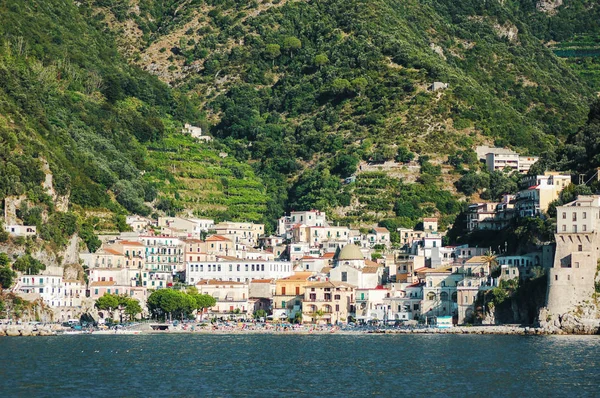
217,238
130,243
328,255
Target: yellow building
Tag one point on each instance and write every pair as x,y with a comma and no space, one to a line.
328,302
289,293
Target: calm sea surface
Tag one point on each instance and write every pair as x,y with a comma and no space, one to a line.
313,365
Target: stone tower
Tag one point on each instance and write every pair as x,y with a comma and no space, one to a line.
573,273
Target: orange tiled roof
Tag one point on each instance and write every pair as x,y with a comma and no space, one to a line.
218,238
103,283
370,270
382,230
130,243
298,276
215,282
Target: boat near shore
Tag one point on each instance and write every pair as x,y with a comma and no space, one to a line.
118,332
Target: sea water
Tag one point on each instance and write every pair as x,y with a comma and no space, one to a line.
299,365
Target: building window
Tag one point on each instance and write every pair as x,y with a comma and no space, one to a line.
337,307
580,248
564,228
297,290
283,304
564,216
337,297
344,277
584,215
574,216
283,290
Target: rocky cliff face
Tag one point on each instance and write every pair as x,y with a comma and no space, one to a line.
548,6
584,322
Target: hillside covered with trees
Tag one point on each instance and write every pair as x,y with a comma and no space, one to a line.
299,95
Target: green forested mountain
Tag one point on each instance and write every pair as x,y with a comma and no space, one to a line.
104,127
299,95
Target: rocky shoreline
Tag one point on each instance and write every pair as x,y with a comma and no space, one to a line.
29,330
578,329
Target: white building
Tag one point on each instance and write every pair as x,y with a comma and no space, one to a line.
195,132
310,218
21,230
52,288
502,158
233,269
539,191
232,297
193,227
351,267
138,223
244,233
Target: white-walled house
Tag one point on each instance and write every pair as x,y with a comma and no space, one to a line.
21,230
231,296
237,270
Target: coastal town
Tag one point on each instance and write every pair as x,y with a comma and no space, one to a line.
314,271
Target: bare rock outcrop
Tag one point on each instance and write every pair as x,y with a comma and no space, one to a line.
584,322
548,6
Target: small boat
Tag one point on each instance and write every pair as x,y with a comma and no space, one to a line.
72,332
95,332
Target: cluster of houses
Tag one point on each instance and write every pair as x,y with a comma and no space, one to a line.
313,271
310,270
535,195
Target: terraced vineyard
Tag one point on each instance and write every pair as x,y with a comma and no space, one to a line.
198,177
582,54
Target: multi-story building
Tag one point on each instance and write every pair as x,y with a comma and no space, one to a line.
538,191
377,236
311,218
289,293
52,289
571,280
490,216
227,268
370,304
408,236
243,233
351,267
439,291
138,223
193,227
328,302
163,253
502,158
232,297
404,302
430,225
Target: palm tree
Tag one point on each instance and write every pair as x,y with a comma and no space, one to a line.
318,314
490,260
